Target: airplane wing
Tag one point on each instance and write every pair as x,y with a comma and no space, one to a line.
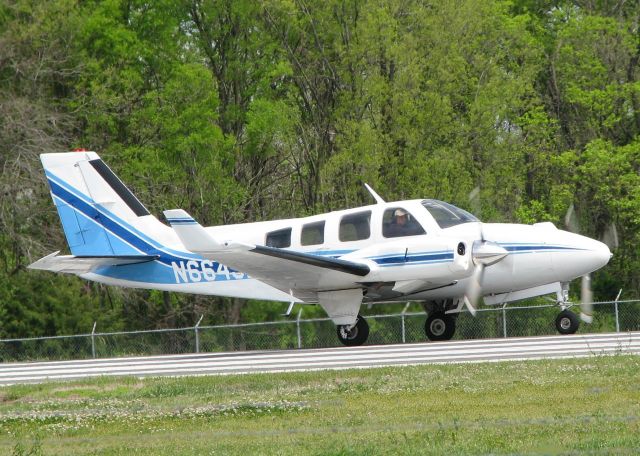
300,274
82,264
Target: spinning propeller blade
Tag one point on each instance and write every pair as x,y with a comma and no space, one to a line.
483,253
474,289
571,220
469,306
610,236
586,300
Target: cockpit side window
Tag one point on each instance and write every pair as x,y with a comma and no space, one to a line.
447,215
398,222
279,238
312,233
355,227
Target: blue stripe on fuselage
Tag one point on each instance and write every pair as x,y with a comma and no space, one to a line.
413,259
530,248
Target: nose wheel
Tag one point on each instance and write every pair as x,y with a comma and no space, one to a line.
567,322
354,335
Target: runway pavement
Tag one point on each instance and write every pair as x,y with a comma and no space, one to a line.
477,350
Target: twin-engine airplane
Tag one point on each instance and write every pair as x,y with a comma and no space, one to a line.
416,250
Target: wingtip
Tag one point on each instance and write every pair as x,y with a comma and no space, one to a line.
178,217
193,236
42,263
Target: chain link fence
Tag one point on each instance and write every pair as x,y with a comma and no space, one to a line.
620,316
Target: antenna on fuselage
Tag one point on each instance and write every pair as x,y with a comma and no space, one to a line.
376,197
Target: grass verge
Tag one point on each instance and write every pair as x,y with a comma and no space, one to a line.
578,406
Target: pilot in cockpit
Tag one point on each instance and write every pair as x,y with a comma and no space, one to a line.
400,217
402,225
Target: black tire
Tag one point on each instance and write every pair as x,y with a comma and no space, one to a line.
567,322
440,326
357,335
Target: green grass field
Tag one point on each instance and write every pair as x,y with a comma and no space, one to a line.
580,406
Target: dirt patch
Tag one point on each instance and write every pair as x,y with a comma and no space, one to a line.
64,389
110,387
134,386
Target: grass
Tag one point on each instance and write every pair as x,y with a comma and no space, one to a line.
579,406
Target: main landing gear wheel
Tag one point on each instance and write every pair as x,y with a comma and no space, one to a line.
440,326
567,322
354,335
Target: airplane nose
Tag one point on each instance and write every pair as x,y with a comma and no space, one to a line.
585,256
597,255
601,253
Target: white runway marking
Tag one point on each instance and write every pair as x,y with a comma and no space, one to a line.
477,350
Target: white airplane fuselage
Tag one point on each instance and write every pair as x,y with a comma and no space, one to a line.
539,254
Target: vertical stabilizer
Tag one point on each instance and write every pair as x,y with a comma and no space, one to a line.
100,216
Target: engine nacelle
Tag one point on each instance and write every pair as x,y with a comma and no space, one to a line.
437,258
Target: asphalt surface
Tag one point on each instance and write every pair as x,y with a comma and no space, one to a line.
477,350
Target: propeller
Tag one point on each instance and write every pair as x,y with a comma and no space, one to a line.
474,201
609,237
483,253
586,300
474,289
571,220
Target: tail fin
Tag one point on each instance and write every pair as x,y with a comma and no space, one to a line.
100,216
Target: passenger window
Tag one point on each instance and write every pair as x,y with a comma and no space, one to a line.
312,233
279,239
398,222
355,227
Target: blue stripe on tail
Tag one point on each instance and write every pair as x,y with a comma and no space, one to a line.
121,235
84,226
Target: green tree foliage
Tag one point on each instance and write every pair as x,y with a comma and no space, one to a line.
239,110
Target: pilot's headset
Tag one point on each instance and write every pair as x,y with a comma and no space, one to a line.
400,212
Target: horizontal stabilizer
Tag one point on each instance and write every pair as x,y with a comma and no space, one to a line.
82,264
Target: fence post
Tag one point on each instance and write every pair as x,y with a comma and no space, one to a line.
298,328
404,338
616,306
93,339
504,320
195,328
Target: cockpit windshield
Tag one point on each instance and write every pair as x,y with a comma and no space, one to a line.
446,214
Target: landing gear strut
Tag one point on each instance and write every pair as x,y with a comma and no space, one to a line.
354,335
440,326
567,322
